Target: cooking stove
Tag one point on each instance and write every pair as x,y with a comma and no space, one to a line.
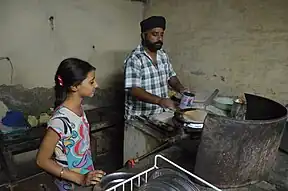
190,128
169,122
146,134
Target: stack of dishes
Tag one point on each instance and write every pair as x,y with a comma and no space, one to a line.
165,179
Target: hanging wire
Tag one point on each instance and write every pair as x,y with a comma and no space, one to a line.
12,67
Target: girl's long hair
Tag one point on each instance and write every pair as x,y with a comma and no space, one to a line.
71,72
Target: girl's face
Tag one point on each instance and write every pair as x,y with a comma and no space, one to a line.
88,86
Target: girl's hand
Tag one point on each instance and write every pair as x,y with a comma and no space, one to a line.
98,174
93,177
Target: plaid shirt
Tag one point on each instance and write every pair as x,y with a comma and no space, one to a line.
140,72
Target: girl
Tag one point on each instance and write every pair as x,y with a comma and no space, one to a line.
67,136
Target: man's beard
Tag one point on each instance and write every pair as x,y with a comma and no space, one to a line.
153,47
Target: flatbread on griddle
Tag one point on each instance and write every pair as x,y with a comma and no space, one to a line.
195,115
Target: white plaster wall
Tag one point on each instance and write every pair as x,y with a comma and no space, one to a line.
112,26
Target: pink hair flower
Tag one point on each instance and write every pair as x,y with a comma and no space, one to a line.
60,80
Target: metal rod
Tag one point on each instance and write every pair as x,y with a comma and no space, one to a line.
209,100
184,170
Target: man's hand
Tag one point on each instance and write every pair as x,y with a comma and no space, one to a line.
176,85
167,103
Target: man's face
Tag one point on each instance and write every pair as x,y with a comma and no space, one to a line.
153,39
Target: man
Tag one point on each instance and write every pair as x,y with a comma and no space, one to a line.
148,73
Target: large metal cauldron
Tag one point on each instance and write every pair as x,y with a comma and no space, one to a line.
235,153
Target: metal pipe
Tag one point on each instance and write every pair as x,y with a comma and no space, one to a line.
170,141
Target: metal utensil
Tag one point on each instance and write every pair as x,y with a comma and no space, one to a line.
132,162
211,97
